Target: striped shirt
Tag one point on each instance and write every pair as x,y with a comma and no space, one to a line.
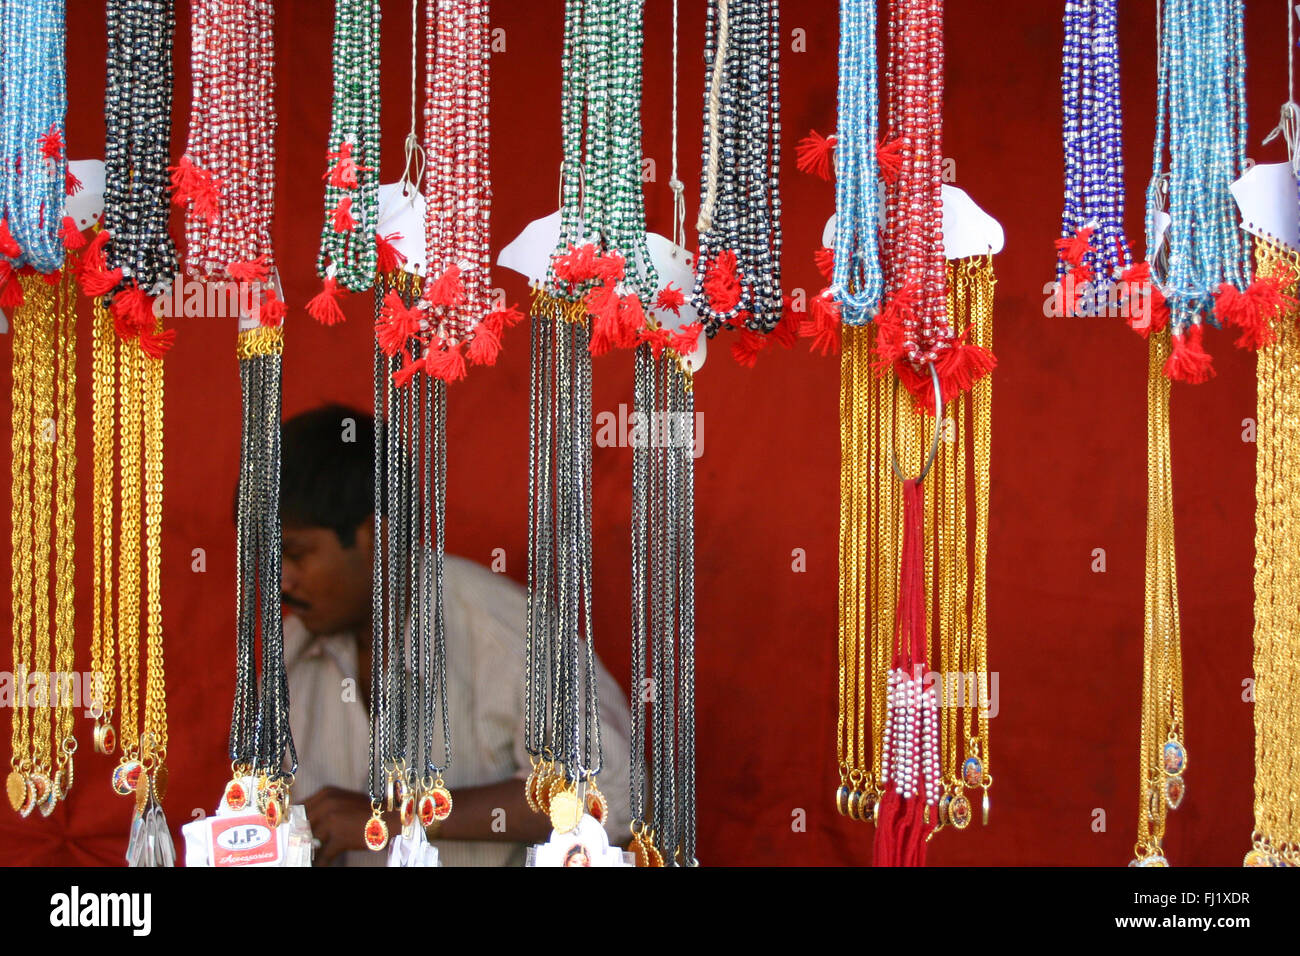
485,624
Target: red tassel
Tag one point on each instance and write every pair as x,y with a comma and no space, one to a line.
51,143
658,339
503,319
603,305
631,321
670,299
133,311
8,244
254,270
485,345
195,185
1252,310
745,350
1189,362
71,235
11,290
402,377
787,330
342,216
272,310
94,278
324,306
960,367
397,324
1074,248
721,287
343,174
157,344
823,324
387,258
447,289
71,184
610,267
825,260
889,155
686,339
1141,290
576,266
447,364
815,154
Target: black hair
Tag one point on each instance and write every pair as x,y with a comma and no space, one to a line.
327,470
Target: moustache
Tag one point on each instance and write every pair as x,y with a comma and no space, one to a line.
293,601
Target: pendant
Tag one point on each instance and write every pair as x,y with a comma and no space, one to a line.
985,820
235,796
441,797
17,787
376,832
125,776
959,812
1175,790
637,849
1155,859
557,786
141,791
425,809
41,787
408,812
944,817
1173,758
596,804
972,772
274,810
565,811
159,782
64,778
1258,857
854,807
105,739
529,796
653,856
842,801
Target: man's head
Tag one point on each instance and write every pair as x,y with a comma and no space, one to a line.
327,514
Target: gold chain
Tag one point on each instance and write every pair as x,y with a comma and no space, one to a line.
131,405
1276,837
155,710
103,412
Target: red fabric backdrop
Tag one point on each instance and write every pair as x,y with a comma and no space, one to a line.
1068,458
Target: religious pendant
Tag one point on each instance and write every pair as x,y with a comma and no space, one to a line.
972,772
408,812
376,830
1258,857
441,797
595,803
959,812
842,800
235,795
1154,859
105,739
565,810
1175,789
1173,758
125,776
274,810
944,816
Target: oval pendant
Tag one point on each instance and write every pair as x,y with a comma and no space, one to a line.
1259,857
959,812
1155,859
656,858
41,787
376,833
943,809
160,782
1173,758
236,795
408,812
855,805
441,803
141,791
529,796
1175,790
638,851
867,808
842,801
105,739
972,772
16,787
425,809
274,811
565,811
597,806
125,776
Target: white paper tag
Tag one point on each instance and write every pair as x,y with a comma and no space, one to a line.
1269,203
674,265
87,206
412,848
244,838
401,211
588,845
529,253
967,229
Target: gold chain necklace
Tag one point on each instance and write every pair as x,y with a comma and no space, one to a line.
43,415
1276,836
878,421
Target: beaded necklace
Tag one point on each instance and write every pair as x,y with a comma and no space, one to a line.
1205,273
591,300
1093,248
348,253
738,268
33,163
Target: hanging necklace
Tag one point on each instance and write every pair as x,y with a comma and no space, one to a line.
1093,249
904,567
1275,838
349,252
662,793
43,403
592,299
738,268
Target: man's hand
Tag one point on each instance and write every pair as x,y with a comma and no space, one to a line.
338,819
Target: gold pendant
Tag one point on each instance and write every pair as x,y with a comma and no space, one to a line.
235,795
565,811
653,856
408,812
1258,857
638,851
105,739
16,786
65,778
596,803
125,777
1175,790
376,832
1173,758
274,809
842,801
441,797
529,797
959,812
159,782
141,791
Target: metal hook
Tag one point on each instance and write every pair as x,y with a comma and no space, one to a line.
934,443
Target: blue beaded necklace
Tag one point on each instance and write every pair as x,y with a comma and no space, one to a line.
1201,127
857,281
1093,244
33,101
